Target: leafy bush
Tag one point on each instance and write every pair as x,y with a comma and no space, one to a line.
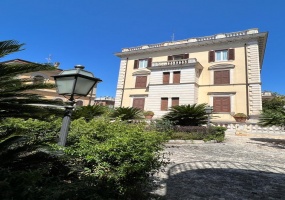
128,113
187,115
198,133
103,160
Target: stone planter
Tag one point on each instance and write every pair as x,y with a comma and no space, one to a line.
240,119
148,116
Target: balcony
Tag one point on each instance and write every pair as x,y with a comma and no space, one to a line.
174,62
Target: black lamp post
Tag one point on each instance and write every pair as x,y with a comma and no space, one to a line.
74,82
208,111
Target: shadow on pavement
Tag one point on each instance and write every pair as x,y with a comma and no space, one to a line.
225,180
270,142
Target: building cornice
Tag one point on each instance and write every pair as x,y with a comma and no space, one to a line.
240,36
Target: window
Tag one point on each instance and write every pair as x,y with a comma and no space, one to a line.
222,104
164,104
79,103
166,76
222,77
38,79
221,55
175,101
138,103
176,77
141,82
178,57
142,63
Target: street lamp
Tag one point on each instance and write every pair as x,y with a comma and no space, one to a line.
74,82
208,111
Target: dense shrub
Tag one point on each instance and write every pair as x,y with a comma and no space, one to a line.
89,112
102,160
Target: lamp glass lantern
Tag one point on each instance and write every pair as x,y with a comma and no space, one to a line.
74,82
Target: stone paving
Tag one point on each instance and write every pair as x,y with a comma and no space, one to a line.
243,167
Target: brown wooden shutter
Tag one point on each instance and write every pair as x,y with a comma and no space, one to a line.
141,81
136,64
222,77
164,104
170,58
149,62
175,101
186,56
165,78
138,103
176,77
222,104
211,56
231,55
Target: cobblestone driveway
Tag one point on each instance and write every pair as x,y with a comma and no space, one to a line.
244,167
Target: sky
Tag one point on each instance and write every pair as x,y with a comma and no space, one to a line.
90,32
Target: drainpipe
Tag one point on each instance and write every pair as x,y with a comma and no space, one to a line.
246,82
124,82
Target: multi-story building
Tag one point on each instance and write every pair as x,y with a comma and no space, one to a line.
221,70
105,101
47,77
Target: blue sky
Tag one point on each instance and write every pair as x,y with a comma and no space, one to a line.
89,32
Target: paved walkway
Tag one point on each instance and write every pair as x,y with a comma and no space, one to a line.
244,167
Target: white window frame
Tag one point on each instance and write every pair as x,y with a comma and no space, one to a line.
143,63
221,55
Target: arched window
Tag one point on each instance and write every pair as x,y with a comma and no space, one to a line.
38,79
79,103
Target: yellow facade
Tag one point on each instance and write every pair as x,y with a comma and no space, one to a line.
243,88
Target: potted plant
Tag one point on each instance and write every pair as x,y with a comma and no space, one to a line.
240,117
148,114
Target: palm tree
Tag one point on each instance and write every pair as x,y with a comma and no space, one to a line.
128,113
187,115
16,97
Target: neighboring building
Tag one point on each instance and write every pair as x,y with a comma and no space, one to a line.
266,95
105,101
222,70
46,77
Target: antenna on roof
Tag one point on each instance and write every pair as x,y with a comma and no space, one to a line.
172,37
48,58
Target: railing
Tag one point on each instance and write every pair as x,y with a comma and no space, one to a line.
250,128
174,62
191,40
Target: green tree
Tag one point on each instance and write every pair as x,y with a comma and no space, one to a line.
16,98
187,115
89,112
273,112
128,113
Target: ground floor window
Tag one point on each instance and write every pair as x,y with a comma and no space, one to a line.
175,101
139,103
164,104
221,104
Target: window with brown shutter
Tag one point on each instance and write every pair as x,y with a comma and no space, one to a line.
138,103
170,58
165,78
141,82
136,64
222,77
164,104
211,56
231,54
222,104
176,77
175,101
149,62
